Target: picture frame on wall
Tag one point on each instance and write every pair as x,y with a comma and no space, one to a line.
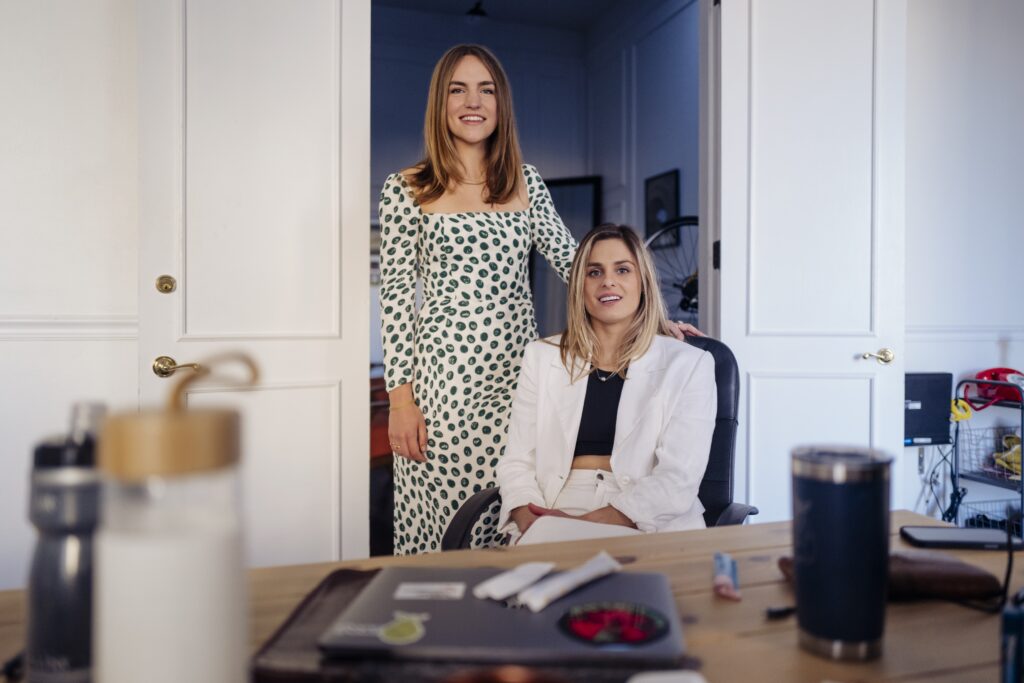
661,204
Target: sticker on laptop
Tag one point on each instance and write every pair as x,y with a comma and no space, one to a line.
404,629
614,623
430,590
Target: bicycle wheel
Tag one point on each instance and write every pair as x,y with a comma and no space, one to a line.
674,250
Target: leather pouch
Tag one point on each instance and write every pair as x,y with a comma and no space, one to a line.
926,575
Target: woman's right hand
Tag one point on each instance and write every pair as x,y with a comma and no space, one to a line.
407,430
523,518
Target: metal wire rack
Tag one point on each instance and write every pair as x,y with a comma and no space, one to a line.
992,514
979,450
990,455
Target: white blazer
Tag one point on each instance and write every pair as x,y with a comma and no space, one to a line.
663,431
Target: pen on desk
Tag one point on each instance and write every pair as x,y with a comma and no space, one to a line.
725,582
776,613
14,668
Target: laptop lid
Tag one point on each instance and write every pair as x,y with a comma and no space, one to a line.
431,614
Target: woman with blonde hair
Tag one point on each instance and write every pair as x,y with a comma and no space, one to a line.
463,221
612,421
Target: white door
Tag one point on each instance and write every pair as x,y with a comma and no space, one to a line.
811,226
254,185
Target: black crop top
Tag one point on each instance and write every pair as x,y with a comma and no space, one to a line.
600,409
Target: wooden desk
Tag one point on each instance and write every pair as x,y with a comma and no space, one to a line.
927,641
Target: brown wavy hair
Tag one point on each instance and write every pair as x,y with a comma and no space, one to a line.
440,168
578,345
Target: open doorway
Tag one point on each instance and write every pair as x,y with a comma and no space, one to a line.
607,106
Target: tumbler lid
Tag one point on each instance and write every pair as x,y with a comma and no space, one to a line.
840,464
175,441
58,451
162,444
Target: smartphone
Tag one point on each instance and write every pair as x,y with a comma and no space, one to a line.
958,537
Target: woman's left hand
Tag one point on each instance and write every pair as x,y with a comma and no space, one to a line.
681,330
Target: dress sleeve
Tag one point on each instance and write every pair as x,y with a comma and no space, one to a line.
547,231
399,223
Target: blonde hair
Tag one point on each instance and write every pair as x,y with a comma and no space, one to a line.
440,167
578,344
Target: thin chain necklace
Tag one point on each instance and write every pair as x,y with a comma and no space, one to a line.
603,378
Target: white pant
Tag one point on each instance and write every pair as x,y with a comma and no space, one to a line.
584,491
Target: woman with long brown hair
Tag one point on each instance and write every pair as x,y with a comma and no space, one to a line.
612,421
464,221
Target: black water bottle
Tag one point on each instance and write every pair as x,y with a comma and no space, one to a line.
64,508
841,549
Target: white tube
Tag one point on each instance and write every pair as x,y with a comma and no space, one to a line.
540,595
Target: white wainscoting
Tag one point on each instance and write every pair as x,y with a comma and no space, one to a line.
42,377
68,327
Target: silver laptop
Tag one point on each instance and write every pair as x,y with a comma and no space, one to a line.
431,614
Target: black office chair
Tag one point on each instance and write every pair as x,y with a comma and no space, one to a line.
477,518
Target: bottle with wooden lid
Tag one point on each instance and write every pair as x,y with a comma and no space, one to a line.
169,597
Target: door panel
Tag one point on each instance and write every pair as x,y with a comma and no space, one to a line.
811,224
284,463
811,95
788,408
254,178
261,169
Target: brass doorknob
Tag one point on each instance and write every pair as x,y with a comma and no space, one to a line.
884,356
165,366
165,284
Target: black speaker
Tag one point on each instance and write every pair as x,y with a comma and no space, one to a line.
926,408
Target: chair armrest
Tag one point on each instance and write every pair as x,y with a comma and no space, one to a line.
735,513
458,534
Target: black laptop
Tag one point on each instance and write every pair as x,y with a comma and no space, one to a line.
409,613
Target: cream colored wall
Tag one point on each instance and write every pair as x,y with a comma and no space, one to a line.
965,208
68,224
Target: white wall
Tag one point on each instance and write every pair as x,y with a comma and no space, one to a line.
545,66
642,103
68,221
965,205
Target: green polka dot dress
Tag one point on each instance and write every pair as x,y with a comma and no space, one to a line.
462,349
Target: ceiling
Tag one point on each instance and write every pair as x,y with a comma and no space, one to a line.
575,15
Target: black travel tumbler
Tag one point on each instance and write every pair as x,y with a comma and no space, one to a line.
841,549
64,508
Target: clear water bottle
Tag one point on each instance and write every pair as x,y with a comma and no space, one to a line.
64,508
170,583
